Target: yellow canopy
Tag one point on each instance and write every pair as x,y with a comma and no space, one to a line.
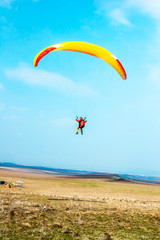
87,48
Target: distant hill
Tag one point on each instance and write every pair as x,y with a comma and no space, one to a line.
142,178
87,174
68,172
54,170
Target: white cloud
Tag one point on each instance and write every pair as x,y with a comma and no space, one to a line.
42,78
20,109
118,17
154,73
153,68
6,3
15,117
151,7
120,10
62,122
1,86
2,106
116,10
154,46
12,117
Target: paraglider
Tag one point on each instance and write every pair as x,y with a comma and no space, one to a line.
81,125
87,48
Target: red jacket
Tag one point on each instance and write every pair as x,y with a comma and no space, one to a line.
81,122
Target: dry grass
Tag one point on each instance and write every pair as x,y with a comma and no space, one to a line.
59,208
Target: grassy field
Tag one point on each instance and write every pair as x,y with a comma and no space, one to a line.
49,207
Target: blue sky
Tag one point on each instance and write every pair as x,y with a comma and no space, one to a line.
38,106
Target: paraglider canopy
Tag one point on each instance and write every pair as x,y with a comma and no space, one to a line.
87,48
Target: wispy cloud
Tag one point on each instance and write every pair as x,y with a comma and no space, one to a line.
154,73
151,7
6,3
2,106
118,17
1,86
42,78
5,116
14,117
62,122
19,109
119,11
115,10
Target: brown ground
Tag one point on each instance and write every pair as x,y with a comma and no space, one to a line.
56,207
54,185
